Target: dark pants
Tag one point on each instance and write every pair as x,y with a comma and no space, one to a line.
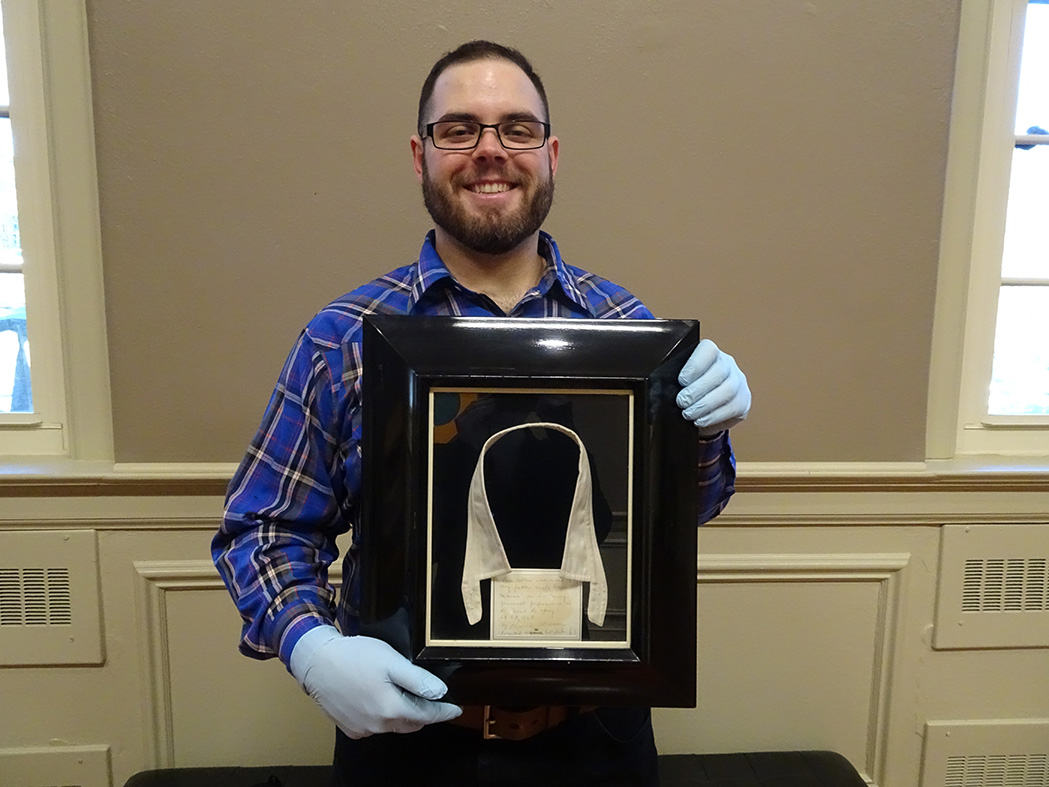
608,747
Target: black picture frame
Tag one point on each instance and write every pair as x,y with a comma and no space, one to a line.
618,378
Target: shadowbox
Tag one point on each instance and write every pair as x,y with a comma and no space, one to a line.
529,507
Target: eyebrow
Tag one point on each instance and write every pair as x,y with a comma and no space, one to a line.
469,116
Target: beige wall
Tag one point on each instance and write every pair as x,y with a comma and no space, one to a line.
781,180
777,173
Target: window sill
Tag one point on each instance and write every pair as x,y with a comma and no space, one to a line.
63,477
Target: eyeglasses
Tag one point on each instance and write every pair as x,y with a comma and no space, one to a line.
465,134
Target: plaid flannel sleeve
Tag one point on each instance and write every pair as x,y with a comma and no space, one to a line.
285,507
717,475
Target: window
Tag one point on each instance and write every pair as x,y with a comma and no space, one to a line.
1020,367
989,393
54,401
15,383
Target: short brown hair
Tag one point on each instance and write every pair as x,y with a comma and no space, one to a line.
468,53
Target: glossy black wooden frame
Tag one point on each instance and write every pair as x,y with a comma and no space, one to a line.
404,357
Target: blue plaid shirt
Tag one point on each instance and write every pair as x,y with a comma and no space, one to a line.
298,487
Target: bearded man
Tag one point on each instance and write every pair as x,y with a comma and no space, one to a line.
486,160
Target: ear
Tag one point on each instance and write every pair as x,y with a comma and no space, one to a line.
418,151
555,147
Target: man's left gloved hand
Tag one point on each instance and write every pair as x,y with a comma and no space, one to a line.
714,392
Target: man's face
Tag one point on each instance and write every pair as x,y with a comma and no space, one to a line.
488,199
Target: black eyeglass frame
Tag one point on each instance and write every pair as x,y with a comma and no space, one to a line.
482,126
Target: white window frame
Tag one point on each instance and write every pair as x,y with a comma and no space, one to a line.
52,122
979,161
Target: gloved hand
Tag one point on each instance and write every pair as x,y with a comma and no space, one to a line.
365,686
714,394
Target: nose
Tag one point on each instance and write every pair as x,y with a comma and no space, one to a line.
489,146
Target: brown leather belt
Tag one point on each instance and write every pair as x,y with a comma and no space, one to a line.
516,724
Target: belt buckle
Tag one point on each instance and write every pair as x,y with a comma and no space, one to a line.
486,725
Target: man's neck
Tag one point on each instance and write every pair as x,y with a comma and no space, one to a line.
505,278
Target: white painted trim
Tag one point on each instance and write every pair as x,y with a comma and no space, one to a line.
1001,79
36,469
130,513
1032,139
157,578
818,567
959,207
59,763
78,235
971,240
177,470
58,184
963,466
190,496
835,469
882,568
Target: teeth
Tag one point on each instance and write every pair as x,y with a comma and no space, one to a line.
490,188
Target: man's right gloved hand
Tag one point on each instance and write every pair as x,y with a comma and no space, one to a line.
365,686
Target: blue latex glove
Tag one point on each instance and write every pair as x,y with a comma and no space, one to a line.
714,393
365,686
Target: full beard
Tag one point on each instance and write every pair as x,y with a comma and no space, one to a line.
493,232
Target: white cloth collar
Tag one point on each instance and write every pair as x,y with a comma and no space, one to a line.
486,558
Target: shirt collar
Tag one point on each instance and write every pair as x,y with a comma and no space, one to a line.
558,271
431,270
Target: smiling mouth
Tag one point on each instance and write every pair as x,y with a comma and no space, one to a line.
490,188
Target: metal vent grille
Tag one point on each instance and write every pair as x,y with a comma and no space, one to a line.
986,753
50,601
1006,585
998,770
993,587
35,597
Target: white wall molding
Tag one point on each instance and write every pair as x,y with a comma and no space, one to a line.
848,511
190,496
989,473
884,569
890,507
34,477
59,763
859,567
155,579
149,512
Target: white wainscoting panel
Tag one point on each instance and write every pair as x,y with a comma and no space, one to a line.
55,766
207,703
795,651
817,596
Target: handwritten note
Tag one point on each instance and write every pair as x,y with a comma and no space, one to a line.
534,603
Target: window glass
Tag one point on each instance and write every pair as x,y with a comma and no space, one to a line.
5,95
1020,378
15,389
1032,105
1020,369
1026,251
